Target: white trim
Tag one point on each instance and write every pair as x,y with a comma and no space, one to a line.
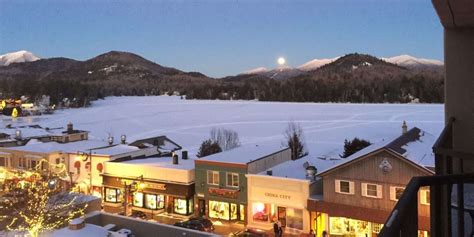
364,190
337,187
233,176
393,192
213,172
423,196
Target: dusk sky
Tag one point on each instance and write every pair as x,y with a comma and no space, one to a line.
221,37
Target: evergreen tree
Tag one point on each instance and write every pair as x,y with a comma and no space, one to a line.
351,147
208,147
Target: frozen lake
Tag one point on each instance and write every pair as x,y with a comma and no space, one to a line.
188,122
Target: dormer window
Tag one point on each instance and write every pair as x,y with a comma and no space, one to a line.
344,186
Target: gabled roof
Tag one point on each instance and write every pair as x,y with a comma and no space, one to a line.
162,142
245,154
415,146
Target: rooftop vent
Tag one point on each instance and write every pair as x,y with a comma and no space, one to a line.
110,140
70,128
311,172
18,134
123,139
404,127
175,159
184,155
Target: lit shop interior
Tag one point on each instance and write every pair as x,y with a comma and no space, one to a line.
226,211
149,202
268,213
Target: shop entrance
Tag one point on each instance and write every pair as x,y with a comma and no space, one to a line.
282,216
201,207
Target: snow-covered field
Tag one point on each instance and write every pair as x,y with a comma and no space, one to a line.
188,122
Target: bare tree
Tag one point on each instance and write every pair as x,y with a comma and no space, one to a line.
226,138
295,140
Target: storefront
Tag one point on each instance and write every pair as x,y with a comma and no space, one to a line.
285,203
147,196
226,211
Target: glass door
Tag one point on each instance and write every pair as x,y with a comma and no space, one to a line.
282,216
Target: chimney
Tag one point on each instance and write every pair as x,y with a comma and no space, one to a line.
18,134
175,159
70,128
110,140
269,172
404,128
184,155
76,224
123,139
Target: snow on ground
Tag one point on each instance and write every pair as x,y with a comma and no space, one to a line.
188,122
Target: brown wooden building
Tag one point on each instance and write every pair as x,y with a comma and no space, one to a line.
359,193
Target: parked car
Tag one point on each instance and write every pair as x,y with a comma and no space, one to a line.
208,225
250,233
139,215
197,223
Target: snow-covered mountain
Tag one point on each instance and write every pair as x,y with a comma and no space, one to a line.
257,70
412,62
316,63
17,57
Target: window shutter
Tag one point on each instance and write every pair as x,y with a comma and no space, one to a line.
379,191
364,189
338,186
351,188
393,194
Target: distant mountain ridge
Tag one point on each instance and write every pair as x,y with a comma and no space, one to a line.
17,57
350,78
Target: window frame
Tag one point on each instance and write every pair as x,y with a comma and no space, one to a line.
233,175
337,187
213,173
393,192
378,188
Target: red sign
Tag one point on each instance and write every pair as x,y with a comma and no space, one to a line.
227,193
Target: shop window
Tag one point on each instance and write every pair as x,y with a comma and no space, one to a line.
294,218
213,177
242,212
153,201
371,190
233,211
190,206
348,227
376,228
111,195
180,206
396,193
138,199
32,164
219,210
261,212
425,197
232,180
344,186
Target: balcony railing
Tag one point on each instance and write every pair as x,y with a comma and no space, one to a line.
403,220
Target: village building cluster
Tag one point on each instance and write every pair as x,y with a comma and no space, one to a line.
252,185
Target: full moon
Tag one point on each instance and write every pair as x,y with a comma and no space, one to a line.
281,61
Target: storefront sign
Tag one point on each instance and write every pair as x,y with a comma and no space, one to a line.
228,193
275,195
156,186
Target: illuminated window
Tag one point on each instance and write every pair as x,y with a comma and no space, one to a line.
233,180
349,227
425,197
213,177
180,206
344,186
396,193
153,201
242,212
138,199
219,210
376,228
261,212
371,190
111,195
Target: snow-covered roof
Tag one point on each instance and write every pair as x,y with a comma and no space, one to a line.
114,150
245,154
71,147
4,153
295,169
415,145
162,162
88,230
